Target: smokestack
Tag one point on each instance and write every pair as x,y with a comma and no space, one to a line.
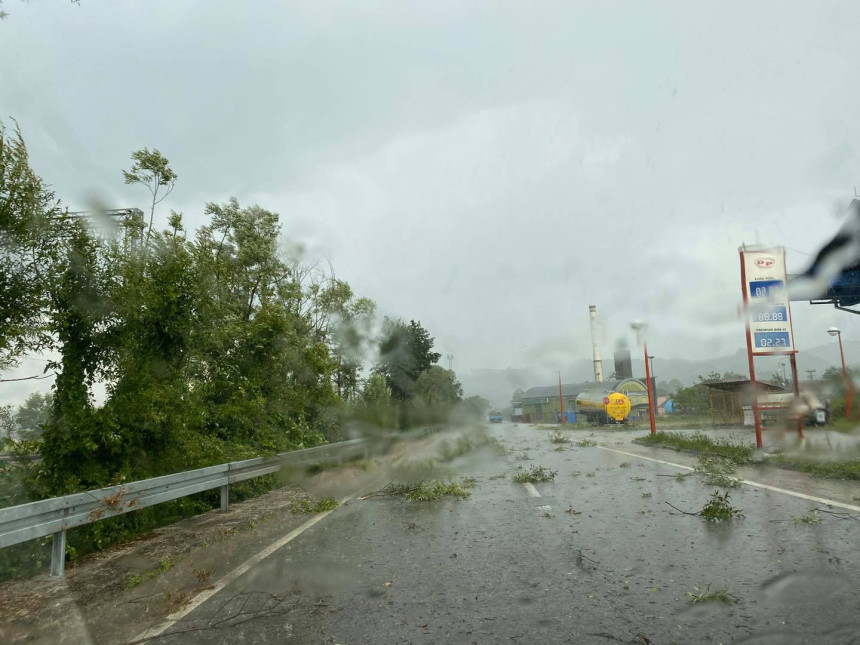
598,364
623,364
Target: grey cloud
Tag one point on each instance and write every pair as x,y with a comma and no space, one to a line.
489,168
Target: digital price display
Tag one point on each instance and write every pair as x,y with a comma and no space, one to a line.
765,288
776,314
771,340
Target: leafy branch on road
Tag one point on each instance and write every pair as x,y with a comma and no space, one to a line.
307,504
717,509
717,471
557,437
720,595
534,475
809,518
425,491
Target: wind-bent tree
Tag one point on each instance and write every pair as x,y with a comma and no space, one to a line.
152,171
28,249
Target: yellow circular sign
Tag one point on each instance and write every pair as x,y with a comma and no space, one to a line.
618,406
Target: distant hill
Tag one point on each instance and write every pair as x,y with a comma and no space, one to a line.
498,385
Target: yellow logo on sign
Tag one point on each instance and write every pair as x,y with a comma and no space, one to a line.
618,407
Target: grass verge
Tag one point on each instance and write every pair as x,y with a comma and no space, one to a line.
739,453
842,470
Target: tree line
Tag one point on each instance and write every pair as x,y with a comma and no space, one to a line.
211,345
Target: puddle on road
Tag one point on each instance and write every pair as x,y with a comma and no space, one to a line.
796,588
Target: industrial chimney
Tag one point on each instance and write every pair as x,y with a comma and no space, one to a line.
623,364
598,364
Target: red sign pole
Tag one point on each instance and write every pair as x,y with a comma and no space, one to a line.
793,361
756,413
650,401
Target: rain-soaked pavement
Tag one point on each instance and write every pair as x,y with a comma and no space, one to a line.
598,557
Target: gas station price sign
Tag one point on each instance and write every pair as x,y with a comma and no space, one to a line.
769,314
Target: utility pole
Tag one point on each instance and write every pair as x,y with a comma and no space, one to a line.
450,358
561,399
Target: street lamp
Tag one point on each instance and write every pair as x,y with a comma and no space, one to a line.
849,384
639,327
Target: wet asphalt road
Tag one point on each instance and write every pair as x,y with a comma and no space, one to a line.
504,566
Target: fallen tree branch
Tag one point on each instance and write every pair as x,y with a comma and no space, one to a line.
390,489
838,515
680,511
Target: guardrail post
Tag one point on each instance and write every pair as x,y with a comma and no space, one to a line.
58,553
225,498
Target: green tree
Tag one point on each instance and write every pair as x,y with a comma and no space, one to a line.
475,407
34,414
693,399
265,360
28,252
405,352
8,425
152,171
376,390
79,315
436,395
156,300
835,376
375,405
438,386
339,318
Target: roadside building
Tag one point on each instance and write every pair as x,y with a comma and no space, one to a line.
541,404
730,399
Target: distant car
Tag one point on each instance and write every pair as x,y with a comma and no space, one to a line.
495,417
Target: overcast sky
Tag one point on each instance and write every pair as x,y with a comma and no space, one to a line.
489,168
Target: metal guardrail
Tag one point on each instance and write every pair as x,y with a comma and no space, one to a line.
57,515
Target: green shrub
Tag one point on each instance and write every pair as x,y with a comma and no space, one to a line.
534,475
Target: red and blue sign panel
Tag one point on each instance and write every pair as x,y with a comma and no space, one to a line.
769,315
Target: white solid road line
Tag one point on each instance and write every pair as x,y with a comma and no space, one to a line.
203,596
812,498
531,489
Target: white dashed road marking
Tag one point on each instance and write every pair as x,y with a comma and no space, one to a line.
531,489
